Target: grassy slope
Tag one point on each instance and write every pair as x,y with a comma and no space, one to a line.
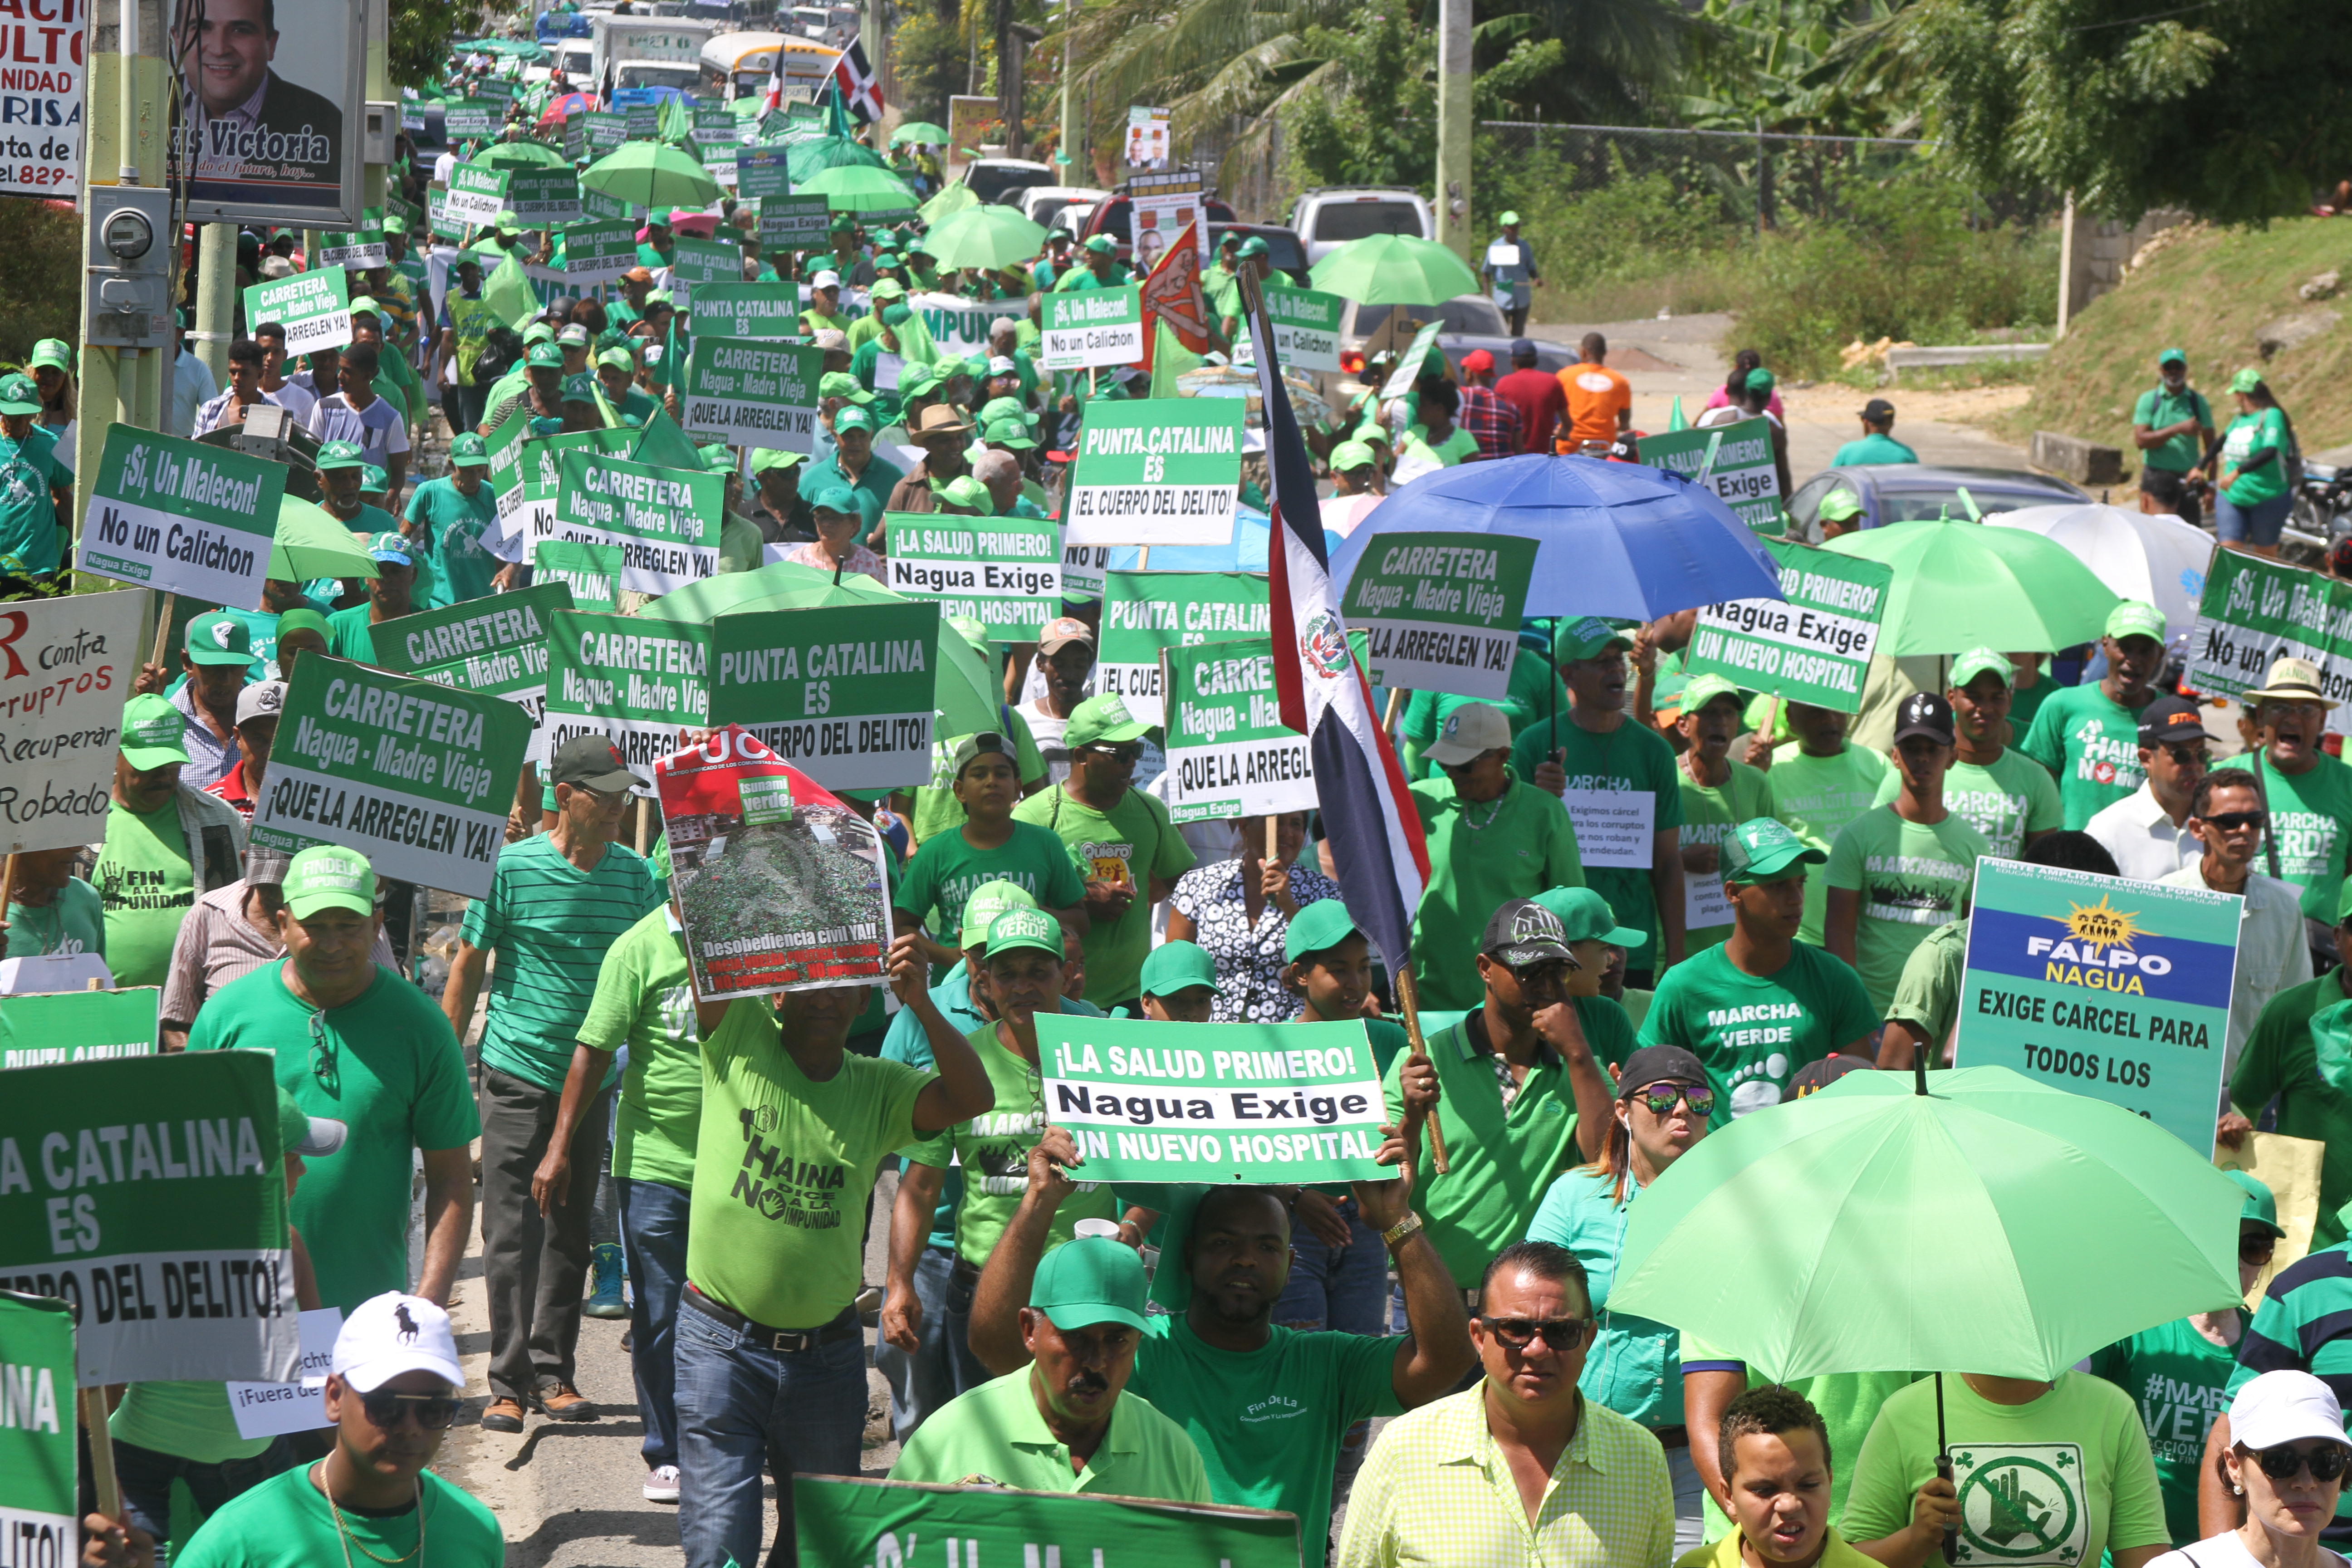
2206,293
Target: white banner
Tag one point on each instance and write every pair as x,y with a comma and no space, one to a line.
66,666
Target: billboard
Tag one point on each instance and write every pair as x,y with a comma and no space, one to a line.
263,124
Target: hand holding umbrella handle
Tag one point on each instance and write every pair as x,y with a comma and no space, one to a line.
1951,1536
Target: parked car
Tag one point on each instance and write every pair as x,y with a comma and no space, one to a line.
1040,203
1907,492
1113,216
1072,219
1003,180
1328,216
1471,321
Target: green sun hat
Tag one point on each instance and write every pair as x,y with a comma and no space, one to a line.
218,638
1763,849
328,876
1017,929
987,901
332,455
467,450
1178,965
152,734
1981,661
1321,925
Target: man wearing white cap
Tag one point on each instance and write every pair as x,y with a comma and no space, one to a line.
393,1392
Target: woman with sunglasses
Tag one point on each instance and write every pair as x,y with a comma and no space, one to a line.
2285,1467
1663,1101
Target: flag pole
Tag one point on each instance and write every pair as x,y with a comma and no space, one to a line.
1409,1003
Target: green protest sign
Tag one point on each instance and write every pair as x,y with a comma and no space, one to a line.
494,90
763,311
575,138
477,193
595,207
1229,753
1003,572
315,309
38,1031
762,171
1305,324
496,645
700,261
415,775
40,1514
2108,987
1144,612
714,125
794,222
181,517
1088,327
599,250
526,472
607,128
444,223
543,198
843,693
885,1524
592,571
1214,1102
1159,470
471,119
363,247
644,120
751,394
1736,461
638,682
1814,646
151,1193
1441,611
1409,365
666,520
2254,610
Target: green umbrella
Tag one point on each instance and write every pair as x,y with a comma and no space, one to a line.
1974,586
951,199
984,237
806,160
523,155
921,130
1393,269
1975,1221
308,543
651,175
855,188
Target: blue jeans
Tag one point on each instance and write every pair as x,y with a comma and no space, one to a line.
146,1477
1342,1288
941,1366
743,1408
653,1234
2256,524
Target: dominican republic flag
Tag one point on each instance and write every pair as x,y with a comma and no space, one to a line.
861,89
1375,831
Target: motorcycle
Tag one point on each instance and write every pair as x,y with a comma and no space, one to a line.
2323,504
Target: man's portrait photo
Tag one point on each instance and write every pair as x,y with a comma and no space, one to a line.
247,125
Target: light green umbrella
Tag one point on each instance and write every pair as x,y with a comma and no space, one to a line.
651,175
952,200
806,160
984,237
857,188
523,155
921,130
1393,269
308,543
1958,585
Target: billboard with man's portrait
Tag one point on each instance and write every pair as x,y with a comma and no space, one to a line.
271,127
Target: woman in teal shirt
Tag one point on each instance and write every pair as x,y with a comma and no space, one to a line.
2253,495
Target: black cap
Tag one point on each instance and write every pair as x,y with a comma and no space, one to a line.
1877,408
2171,722
1924,713
1658,1064
1820,1074
1522,931
1523,348
591,762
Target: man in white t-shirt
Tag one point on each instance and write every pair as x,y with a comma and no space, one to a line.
355,414
2148,831
296,400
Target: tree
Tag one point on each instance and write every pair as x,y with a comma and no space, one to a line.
422,31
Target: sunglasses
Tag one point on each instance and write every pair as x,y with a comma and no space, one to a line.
1518,1334
2231,821
2189,756
434,1411
1128,752
2326,1462
325,1055
1661,1098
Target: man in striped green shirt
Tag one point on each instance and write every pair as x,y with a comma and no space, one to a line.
559,902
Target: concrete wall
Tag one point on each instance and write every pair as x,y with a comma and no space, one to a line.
2094,251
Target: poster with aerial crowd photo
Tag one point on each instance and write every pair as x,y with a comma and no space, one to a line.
270,121
779,882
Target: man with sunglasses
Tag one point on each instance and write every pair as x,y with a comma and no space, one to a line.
2003,793
559,902
394,1390
2307,792
2227,817
2147,830
2281,1062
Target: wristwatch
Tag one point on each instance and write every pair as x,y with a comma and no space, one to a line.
1409,1226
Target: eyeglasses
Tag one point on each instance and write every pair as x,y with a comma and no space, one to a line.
1129,753
325,1055
2256,1248
1661,1098
434,1411
1518,1334
2231,821
2326,1461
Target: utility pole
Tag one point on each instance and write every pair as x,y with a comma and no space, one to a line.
1452,202
1069,137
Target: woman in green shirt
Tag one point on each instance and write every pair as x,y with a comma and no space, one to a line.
1436,437
2253,495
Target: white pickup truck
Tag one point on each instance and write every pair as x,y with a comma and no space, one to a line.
646,51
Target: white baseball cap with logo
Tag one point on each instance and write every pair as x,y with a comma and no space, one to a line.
392,1334
2285,1407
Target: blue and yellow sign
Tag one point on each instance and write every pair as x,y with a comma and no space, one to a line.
2104,986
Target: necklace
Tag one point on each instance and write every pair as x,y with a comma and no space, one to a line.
1493,810
343,1529
51,939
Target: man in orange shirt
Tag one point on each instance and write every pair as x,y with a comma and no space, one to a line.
1600,401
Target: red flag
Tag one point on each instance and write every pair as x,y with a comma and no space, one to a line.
1172,293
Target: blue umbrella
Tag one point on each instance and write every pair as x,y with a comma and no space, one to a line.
1620,540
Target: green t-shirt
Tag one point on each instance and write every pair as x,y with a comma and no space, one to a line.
1513,847
1817,797
1912,878
28,513
2262,430
1609,1029
782,1169
186,1420
936,809
1928,993
1875,448
350,633
1754,1031
2004,801
994,1430
1628,757
73,920
392,1074
2310,831
993,1152
947,868
2281,1060
2178,1376
2079,1449
1848,1402
1134,842
2090,743
453,525
2025,702
2155,409
284,1523
551,925
146,888
645,1000
1709,814
1268,1421
1455,449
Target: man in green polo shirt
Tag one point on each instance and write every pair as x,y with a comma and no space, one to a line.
1877,443
2003,793
2088,736
1099,267
2171,425
852,463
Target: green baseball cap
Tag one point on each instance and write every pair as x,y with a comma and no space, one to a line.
394,224
55,353
1838,505
1099,719
2134,618
579,386
885,288
373,480
1761,380
1508,220
19,396
837,498
916,380
1011,433
1102,244
1177,965
337,455
1369,431
469,450
1702,689
1982,661
544,355
364,306
391,549
510,223
2246,380
852,418
2171,356
573,335
619,359
218,638
1588,638
717,459
972,632
1025,928
841,383
997,408
1350,454
2258,1205
537,333
153,733
1089,1280
1585,916
764,458
965,489
986,902
1321,925
330,876
1763,849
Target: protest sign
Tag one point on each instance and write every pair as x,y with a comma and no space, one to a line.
753,394
666,520
1305,324
39,1508
2254,610
1441,611
2107,986
851,1521
268,1409
477,193
1737,460
1162,207
1160,470
471,119
526,472
150,1192
699,261
959,326
644,120
1814,646
762,171
65,667
1229,753
1614,827
637,680
1214,1102
543,198
763,311
182,518
48,54
842,692
363,247
1084,328
793,221
1083,566
780,882
495,646
1146,136
592,573
599,250
315,309
1410,363
38,1031
714,125
1003,572
596,207
1144,612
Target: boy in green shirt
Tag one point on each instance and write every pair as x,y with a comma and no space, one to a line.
1718,793
1819,787
988,846
2088,736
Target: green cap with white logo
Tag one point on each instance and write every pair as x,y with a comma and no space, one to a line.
1981,661
1763,850
1100,719
987,901
330,876
1588,638
152,734
1016,929
218,638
